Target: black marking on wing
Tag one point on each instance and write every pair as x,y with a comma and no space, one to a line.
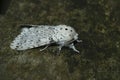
51,40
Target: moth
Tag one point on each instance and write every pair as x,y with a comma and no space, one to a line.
33,36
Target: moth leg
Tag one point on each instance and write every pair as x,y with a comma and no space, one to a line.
59,49
61,44
73,47
79,40
44,48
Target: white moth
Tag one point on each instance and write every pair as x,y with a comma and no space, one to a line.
33,36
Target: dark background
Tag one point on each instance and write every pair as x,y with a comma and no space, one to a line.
4,4
96,21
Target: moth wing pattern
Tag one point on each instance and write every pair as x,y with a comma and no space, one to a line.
33,37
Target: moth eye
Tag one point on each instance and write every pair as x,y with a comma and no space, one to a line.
71,30
66,28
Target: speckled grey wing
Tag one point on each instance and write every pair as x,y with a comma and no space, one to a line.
32,37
